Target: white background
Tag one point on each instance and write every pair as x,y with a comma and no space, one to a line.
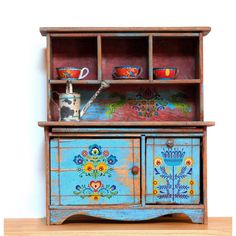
23,87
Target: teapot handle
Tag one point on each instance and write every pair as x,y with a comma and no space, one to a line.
69,87
53,101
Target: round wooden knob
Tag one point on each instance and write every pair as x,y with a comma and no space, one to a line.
170,143
135,170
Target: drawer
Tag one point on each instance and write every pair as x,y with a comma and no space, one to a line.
173,171
95,171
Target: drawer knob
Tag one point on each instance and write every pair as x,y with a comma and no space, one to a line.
135,170
170,143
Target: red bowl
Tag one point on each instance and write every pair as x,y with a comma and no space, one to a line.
126,72
165,73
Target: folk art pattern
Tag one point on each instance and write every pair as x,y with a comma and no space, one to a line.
174,172
95,163
174,185
139,103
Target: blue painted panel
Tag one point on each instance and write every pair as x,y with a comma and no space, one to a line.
173,174
138,214
95,171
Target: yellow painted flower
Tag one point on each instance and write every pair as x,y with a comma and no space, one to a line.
88,167
95,196
155,191
158,161
191,192
188,161
102,167
155,182
191,182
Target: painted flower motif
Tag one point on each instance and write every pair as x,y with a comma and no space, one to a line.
155,191
78,187
88,167
111,160
188,161
113,187
78,160
191,192
102,167
191,182
95,196
155,182
84,153
106,153
95,150
158,161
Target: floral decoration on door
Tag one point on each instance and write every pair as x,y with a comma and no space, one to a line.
95,162
95,190
173,175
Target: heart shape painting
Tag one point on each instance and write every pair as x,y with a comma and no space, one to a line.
95,185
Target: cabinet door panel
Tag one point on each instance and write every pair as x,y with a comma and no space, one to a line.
94,171
173,171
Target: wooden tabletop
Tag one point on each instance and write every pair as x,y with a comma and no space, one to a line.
162,226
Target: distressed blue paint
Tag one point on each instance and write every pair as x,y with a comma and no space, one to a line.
58,216
66,176
169,182
143,155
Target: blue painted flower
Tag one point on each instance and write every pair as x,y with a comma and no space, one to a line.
113,187
111,160
78,187
78,160
95,150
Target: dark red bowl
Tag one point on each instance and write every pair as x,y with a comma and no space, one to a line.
165,73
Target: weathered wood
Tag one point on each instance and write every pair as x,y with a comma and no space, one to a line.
47,171
59,216
123,123
99,58
204,165
46,30
128,82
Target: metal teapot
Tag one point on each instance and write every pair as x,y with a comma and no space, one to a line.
69,103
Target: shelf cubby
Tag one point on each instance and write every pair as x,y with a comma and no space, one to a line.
178,52
75,52
120,51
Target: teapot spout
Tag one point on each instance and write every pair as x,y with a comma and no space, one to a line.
104,85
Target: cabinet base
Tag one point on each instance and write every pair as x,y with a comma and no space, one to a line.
58,216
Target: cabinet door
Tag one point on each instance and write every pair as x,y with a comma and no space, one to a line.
173,171
95,171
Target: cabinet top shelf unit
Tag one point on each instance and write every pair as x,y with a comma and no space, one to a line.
54,30
142,98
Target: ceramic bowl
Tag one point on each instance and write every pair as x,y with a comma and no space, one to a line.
126,72
72,73
165,73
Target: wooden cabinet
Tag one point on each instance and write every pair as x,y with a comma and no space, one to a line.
139,152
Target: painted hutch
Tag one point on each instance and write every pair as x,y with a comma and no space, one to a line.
139,152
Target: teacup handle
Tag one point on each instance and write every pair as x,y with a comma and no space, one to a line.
176,74
82,75
140,72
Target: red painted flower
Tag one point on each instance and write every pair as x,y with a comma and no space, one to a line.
84,153
106,153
